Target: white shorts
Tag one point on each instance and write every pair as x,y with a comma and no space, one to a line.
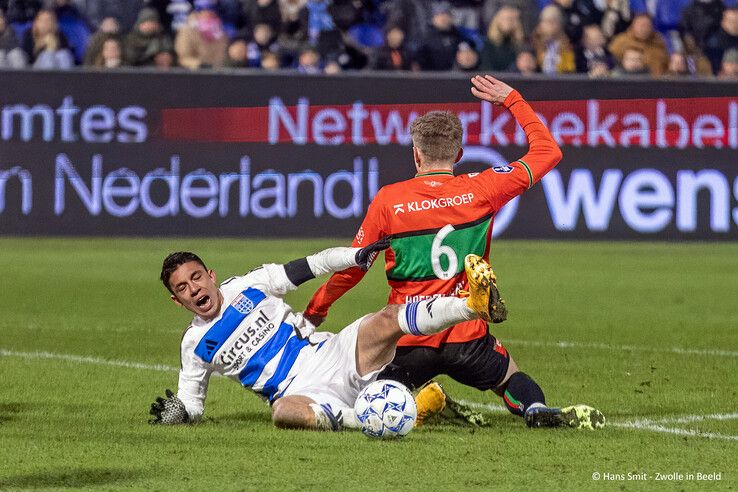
328,373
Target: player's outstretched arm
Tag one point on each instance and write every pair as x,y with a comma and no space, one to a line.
372,229
543,152
334,260
277,280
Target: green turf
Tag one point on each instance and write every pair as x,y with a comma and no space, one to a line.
79,424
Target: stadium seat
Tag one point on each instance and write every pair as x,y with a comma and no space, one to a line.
367,35
77,35
20,28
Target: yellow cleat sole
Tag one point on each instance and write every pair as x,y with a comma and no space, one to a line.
484,298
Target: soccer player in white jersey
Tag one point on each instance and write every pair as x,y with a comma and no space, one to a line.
245,331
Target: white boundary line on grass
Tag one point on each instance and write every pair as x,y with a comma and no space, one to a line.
623,348
641,424
86,360
645,424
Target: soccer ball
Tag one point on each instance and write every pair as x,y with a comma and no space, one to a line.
385,409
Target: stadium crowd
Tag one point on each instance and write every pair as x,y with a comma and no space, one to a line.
648,38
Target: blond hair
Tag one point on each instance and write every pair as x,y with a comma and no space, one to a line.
495,35
437,135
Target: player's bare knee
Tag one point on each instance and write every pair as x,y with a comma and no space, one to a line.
284,416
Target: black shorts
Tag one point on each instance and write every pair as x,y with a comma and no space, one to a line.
481,363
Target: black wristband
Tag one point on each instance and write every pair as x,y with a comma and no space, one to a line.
298,271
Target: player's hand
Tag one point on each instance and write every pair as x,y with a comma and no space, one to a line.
169,410
366,255
488,88
315,319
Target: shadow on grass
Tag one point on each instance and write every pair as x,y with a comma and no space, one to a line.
9,410
262,417
83,477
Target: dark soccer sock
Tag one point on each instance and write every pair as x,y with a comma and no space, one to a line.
522,392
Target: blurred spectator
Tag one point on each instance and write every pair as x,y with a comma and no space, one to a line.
148,44
164,59
729,65
702,18
394,55
11,54
270,61
632,63
412,16
237,55
111,54
665,14
202,43
22,11
319,19
525,62
697,62
264,37
124,11
466,13
290,16
73,25
262,12
162,9
677,65
438,49
527,9
109,27
577,14
322,31
504,37
249,54
724,39
467,59
598,70
554,52
615,17
346,13
592,51
308,61
45,46
641,35
231,15
179,10
332,68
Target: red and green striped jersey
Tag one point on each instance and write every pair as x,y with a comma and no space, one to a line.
435,219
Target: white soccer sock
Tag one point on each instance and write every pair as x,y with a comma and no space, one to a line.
433,315
535,405
328,418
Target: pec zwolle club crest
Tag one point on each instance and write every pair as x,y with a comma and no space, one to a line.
243,304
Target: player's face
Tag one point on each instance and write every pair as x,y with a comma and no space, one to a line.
195,289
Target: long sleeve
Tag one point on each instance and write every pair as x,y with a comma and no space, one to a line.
194,376
278,280
500,184
543,151
332,290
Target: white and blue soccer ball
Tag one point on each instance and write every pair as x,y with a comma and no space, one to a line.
386,409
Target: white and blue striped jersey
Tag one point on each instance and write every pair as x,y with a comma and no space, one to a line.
256,340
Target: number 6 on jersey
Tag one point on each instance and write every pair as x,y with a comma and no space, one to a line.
438,249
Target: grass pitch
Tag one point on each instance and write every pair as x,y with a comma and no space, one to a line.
645,332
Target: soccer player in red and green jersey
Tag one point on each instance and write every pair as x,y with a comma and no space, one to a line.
434,220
